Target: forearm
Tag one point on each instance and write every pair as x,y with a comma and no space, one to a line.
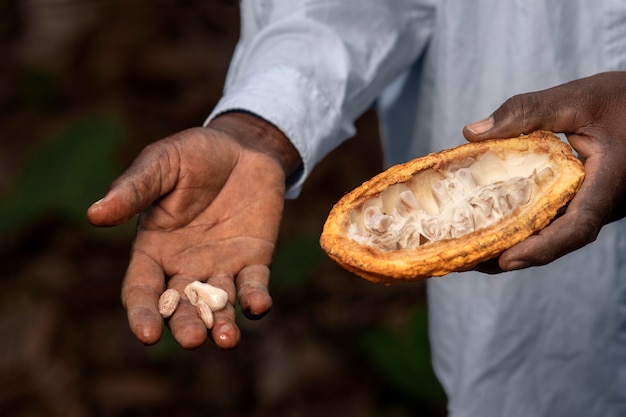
311,68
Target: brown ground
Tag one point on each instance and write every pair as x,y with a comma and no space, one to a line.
98,79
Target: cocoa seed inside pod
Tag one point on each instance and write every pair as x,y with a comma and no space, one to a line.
451,210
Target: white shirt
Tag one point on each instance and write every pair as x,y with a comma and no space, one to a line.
546,341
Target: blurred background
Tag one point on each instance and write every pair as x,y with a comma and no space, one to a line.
84,85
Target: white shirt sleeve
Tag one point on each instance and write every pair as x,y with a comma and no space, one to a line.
312,67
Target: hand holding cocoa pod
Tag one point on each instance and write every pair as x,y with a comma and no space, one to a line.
590,112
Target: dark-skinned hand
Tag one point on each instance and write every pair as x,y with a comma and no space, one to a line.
591,112
210,202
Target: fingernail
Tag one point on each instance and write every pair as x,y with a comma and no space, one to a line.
224,332
98,202
519,264
481,126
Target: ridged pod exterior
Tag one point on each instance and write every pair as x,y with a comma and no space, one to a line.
465,252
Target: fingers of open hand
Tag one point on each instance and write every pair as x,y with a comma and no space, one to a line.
190,331
185,323
142,286
225,333
254,297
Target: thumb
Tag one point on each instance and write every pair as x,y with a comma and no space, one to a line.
137,188
550,109
117,207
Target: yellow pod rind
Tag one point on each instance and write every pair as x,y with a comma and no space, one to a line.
460,253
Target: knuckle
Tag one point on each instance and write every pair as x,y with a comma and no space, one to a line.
517,106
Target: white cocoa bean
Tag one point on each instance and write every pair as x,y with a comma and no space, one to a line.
168,302
215,298
205,313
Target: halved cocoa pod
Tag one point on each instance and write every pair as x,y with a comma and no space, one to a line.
449,211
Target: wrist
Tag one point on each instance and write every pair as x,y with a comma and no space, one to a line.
256,133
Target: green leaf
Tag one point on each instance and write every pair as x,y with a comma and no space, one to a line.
65,174
403,358
294,261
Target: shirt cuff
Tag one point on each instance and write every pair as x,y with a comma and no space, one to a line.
291,102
